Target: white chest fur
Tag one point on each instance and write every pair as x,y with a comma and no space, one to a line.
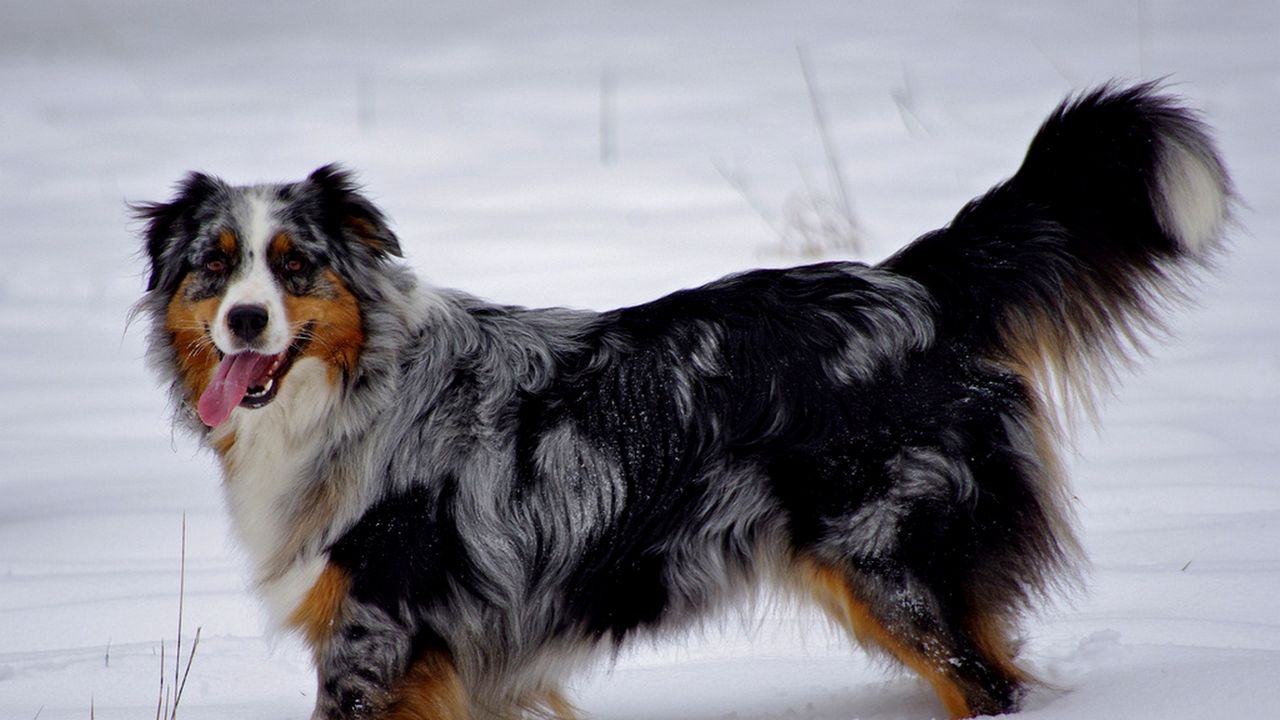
273,445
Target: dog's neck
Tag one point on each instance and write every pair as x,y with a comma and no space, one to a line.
288,492
269,459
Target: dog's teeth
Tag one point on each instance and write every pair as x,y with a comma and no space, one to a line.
260,390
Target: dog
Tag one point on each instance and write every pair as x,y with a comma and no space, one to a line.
456,503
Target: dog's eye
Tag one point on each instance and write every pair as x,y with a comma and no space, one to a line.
294,263
216,264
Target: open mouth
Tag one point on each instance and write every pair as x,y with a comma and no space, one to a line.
263,389
246,379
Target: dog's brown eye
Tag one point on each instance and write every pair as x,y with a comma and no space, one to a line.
216,265
294,263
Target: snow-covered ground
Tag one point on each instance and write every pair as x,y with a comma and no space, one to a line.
478,127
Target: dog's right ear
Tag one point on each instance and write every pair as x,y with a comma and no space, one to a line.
351,212
169,224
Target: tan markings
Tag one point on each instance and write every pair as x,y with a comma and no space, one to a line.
316,614
280,245
188,324
991,636
222,444
1072,350
1039,347
368,233
337,331
559,707
432,690
831,589
1039,358
1056,502
227,242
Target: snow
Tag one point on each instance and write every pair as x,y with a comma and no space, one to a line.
477,127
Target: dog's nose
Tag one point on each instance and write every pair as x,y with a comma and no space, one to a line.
247,321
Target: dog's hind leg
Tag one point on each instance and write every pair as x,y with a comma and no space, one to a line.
967,663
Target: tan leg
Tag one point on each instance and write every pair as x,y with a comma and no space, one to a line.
431,691
971,676
318,612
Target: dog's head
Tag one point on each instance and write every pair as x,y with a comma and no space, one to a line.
248,280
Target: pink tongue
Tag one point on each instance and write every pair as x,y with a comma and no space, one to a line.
235,374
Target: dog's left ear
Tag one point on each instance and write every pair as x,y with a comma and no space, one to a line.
170,225
341,200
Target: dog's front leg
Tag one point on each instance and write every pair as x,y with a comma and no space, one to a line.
370,668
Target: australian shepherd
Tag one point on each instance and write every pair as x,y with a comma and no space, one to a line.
455,503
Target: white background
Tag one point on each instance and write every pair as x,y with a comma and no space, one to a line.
477,127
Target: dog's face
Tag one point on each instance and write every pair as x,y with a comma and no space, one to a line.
255,279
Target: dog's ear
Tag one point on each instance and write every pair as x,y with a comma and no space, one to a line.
341,200
169,225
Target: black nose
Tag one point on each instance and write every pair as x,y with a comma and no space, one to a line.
247,321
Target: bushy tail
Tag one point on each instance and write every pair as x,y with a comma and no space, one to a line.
1064,268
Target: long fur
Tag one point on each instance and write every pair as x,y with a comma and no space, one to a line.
457,502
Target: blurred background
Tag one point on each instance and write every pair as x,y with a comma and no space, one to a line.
593,155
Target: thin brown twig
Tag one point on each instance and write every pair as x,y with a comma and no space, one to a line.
182,593
739,183
160,697
171,695
834,171
190,657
